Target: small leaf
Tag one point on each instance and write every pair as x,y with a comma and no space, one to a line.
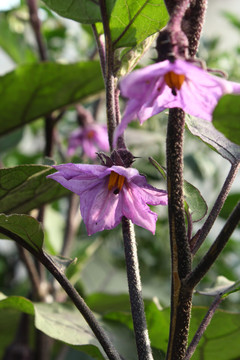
196,204
226,117
25,187
44,88
18,303
159,168
208,134
24,226
221,285
84,11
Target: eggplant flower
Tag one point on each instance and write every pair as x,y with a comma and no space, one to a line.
170,85
91,137
109,193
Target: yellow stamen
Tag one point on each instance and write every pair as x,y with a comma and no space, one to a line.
120,183
115,180
173,80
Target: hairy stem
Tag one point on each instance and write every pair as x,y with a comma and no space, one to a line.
135,292
193,23
109,74
180,250
210,257
201,235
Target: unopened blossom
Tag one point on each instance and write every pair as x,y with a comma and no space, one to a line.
169,85
91,138
109,193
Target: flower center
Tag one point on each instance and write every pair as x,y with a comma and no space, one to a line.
174,81
115,181
90,134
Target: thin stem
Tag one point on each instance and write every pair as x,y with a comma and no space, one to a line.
32,271
204,324
193,23
180,250
101,50
109,75
36,25
78,301
177,13
210,257
135,292
201,235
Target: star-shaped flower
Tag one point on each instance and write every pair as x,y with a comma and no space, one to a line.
109,193
91,137
169,85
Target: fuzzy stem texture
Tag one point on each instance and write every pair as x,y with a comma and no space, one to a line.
135,292
180,251
109,74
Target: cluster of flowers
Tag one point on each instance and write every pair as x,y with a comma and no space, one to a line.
110,191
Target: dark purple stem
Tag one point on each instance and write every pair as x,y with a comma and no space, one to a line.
109,74
36,25
201,235
181,299
204,324
135,292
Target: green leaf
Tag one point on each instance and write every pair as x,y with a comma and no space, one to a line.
61,322
208,134
196,203
221,286
132,21
25,227
226,117
84,11
32,91
25,187
18,303
103,303
221,339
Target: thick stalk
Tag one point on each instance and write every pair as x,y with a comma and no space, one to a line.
180,251
135,292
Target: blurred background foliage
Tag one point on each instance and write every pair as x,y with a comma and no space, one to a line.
100,265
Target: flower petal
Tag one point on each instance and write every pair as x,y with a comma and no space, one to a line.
135,209
79,177
100,208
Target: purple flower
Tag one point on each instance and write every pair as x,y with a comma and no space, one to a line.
109,193
91,138
169,85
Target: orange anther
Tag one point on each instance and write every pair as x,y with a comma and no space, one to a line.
173,80
115,180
